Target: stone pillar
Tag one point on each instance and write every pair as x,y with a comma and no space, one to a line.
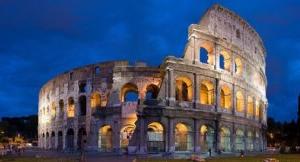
217,56
171,135
64,133
233,63
233,138
75,138
217,136
142,136
196,90
116,136
197,136
217,94
171,83
246,105
233,99
196,58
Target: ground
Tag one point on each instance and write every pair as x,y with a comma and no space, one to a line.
43,156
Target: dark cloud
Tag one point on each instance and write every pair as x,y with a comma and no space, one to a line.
40,39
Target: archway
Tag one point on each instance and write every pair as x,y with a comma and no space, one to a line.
239,140
71,108
207,93
250,106
225,97
105,142
81,138
52,140
82,105
250,145
207,135
225,60
151,92
155,137
70,139
60,140
95,100
47,140
184,88
238,66
239,101
125,136
129,93
183,138
225,142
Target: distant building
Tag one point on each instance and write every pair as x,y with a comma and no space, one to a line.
212,98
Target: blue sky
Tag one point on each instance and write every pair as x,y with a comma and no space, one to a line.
40,39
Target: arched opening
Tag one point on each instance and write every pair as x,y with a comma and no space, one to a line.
250,145
239,101
225,60
47,140
52,140
129,93
151,92
207,93
204,56
225,144
250,106
207,135
82,105
238,66
82,87
71,108
105,142
257,142
60,140
61,108
81,138
70,139
125,136
184,89
53,110
95,100
225,100
239,140
257,107
155,137
43,141
183,138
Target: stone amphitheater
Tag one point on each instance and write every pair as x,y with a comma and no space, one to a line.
211,99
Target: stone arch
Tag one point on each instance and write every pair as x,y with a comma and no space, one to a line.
60,140
250,106
155,137
206,54
225,97
95,100
239,140
71,108
151,91
53,110
129,92
250,144
207,92
126,134
207,136
184,89
105,138
81,138
61,107
82,105
183,137
239,101
225,139
52,140
238,66
70,139
257,107
47,140
225,60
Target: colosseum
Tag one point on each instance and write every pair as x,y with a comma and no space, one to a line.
211,99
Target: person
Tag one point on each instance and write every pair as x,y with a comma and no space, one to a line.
209,152
242,153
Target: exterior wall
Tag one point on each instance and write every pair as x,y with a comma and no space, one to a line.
111,79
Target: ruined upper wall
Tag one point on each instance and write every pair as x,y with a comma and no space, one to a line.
225,24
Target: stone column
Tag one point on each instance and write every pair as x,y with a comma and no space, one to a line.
233,63
217,56
197,136
116,136
233,99
64,138
217,95
196,90
233,138
142,138
171,87
171,135
196,58
217,136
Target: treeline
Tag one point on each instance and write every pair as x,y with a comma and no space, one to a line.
24,126
283,134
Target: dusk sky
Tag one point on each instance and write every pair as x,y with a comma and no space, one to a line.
41,39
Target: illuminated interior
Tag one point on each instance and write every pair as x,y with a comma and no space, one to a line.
225,139
239,101
250,106
71,108
105,139
225,97
95,100
183,137
207,93
184,89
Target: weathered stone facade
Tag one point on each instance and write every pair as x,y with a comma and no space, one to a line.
212,98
